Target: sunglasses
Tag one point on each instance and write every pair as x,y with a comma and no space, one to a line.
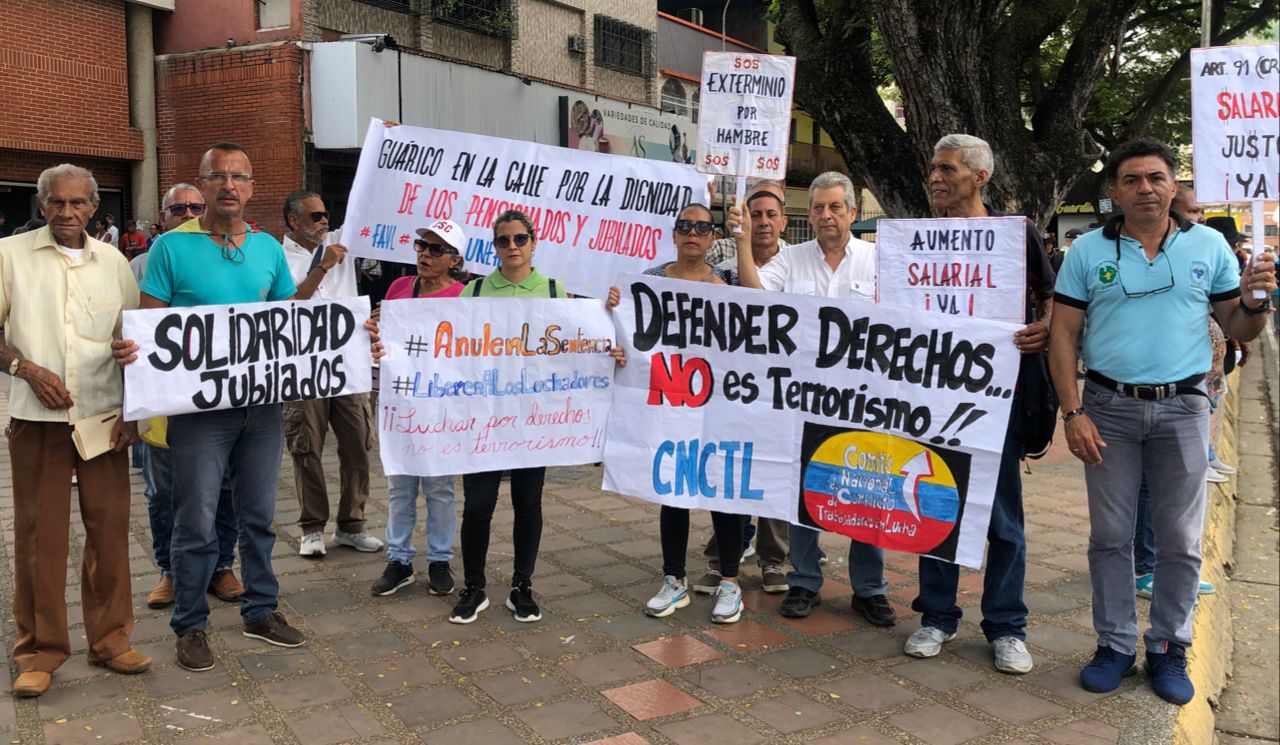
701,227
318,216
177,210
520,239
434,249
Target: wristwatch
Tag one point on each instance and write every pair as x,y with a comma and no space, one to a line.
1266,306
13,366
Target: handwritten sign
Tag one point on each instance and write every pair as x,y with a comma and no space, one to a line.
1235,123
973,266
883,424
211,357
484,384
745,120
595,216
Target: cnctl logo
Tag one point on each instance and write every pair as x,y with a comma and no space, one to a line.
1107,273
883,490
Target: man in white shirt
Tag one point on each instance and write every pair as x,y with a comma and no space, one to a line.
323,271
723,254
112,230
834,265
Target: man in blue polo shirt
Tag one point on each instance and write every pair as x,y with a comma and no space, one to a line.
221,260
1145,283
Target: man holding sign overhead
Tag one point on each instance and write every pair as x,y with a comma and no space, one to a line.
221,260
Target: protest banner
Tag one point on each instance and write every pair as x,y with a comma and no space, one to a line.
883,424
211,357
744,123
596,216
974,266
487,384
1235,123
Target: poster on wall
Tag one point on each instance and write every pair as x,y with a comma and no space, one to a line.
601,125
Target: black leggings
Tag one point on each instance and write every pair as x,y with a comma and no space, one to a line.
480,497
673,526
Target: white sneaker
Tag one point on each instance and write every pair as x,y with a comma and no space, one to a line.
926,641
728,603
1215,477
312,545
672,595
1012,655
1221,467
359,541
749,551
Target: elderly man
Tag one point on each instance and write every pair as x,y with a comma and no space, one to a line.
834,265
181,204
62,295
217,261
322,271
961,168
724,252
1145,410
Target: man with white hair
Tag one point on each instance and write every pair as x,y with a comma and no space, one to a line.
961,168
833,265
62,296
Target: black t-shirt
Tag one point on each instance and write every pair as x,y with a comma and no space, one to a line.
1040,274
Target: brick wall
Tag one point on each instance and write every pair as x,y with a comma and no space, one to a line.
63,79
251,96
25,166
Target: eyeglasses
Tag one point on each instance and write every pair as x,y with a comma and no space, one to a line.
520,239
434,249
177,210
701,227
240,179
318,216
1167,262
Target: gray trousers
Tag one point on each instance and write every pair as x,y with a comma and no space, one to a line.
306,424
1167,441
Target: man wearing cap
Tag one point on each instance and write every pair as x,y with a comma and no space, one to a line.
322,271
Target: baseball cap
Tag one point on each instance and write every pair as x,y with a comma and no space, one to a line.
1074,233
449,231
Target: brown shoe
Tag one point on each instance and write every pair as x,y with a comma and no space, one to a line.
193,651
274,630
162,595
32,683
130,662
225,585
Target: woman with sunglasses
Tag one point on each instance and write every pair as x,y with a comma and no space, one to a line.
693,234
515,241
439,266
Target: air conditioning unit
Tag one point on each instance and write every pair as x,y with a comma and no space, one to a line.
578,44
692,15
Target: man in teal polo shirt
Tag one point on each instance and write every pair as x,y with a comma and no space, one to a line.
1145,283
221,260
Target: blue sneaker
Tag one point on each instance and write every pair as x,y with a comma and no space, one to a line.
1168,674
1145,584
1106,669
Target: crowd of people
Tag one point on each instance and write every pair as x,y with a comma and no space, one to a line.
1141,425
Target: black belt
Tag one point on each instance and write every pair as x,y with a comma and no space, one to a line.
1151,392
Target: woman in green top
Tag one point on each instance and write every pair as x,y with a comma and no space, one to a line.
515,241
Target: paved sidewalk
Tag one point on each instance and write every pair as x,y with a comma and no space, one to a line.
393,670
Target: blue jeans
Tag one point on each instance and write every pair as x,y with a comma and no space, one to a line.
1004,612
1144,540
157,472
1165,441
402,516
866,564
245,442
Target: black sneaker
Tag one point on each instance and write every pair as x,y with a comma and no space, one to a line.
274,630
397,574
471,601
439,578
193,651
799,602
876,609
521,603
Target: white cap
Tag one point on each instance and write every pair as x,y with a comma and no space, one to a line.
449,231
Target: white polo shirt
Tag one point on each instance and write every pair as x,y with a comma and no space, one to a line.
339,282
801,269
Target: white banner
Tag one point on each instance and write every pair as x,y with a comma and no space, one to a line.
974,266
882,424
211,357
1235,123
744,123
486,384
595,216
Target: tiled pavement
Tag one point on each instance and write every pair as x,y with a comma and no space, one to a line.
393,670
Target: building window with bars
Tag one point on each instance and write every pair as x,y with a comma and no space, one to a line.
622,47
400,6
492,17
673,97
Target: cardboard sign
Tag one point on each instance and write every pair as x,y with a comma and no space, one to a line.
744,123
1235,123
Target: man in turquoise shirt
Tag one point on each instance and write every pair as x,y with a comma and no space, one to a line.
221,260
1146,283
